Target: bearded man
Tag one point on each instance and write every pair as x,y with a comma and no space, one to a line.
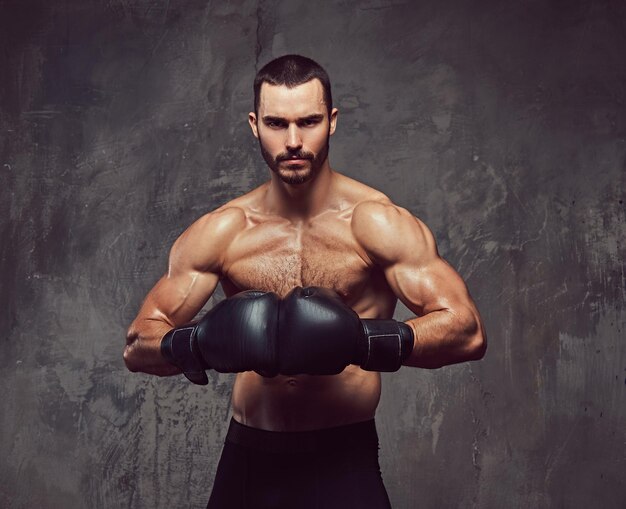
312,264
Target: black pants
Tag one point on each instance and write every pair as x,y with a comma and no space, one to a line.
321,469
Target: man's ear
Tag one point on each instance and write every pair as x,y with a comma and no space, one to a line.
333,120
253,124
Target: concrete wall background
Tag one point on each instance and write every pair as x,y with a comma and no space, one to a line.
500,124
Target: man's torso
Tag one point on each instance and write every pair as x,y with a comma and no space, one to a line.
274,254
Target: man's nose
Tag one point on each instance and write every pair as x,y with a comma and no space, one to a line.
294,140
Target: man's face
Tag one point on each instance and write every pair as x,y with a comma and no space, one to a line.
293,129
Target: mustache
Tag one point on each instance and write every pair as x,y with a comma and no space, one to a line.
298,154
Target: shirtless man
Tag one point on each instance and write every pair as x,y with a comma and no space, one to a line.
328,258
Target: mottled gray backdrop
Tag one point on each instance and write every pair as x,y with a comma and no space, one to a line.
501,124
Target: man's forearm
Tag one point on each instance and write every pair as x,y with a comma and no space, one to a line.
143,349
446,337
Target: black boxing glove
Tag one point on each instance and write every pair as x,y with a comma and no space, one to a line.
320,335
237,334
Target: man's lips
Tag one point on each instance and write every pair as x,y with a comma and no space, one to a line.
295,162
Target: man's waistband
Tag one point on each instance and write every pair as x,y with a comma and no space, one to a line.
350,436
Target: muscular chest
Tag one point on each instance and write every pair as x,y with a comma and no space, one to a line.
277,257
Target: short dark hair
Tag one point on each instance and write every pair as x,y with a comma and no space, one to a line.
292,70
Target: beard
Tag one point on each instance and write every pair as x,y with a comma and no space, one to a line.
296,174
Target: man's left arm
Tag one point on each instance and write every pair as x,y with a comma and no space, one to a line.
448,328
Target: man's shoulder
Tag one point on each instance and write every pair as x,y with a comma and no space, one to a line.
212,232
372,209
386,230
203,244
221,221
231,216
378,212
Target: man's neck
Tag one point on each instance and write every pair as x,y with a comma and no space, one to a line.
302,201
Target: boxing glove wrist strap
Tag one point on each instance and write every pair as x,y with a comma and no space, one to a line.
388,344
177,348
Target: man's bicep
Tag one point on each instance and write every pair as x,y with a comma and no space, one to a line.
406,250
177,297
423,280
172,302
193,269
427,286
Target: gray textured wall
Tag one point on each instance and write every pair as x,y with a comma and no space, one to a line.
501,124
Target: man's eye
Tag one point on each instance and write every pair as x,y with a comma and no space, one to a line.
310,122
274,123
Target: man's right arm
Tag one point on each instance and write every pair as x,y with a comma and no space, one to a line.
193,273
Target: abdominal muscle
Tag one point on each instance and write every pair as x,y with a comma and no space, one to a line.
305,402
